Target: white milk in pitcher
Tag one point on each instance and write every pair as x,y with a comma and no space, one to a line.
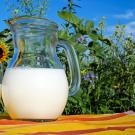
35,93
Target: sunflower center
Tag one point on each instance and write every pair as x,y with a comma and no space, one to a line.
1,52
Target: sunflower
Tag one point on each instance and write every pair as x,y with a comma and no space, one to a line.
4,50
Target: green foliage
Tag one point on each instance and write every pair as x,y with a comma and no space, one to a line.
27,7
113,88
78,28
109,60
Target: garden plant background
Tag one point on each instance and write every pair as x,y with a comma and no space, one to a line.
107,63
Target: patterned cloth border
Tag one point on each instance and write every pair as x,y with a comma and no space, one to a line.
103,124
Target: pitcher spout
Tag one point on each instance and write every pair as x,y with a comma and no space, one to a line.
10,23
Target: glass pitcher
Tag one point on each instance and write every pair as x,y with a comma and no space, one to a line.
35,85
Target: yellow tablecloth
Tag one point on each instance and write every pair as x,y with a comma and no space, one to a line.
105,124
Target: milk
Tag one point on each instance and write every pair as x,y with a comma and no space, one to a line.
35,93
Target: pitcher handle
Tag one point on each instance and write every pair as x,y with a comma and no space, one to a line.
73,67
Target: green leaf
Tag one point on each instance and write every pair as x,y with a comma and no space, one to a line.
94,37
79,47
107,41
99,51
63,34
70,17
89,25
73,100
131,57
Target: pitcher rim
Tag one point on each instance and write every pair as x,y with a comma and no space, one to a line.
13,21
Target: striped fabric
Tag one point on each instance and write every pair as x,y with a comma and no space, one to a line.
105,124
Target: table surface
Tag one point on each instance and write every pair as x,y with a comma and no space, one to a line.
105,124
